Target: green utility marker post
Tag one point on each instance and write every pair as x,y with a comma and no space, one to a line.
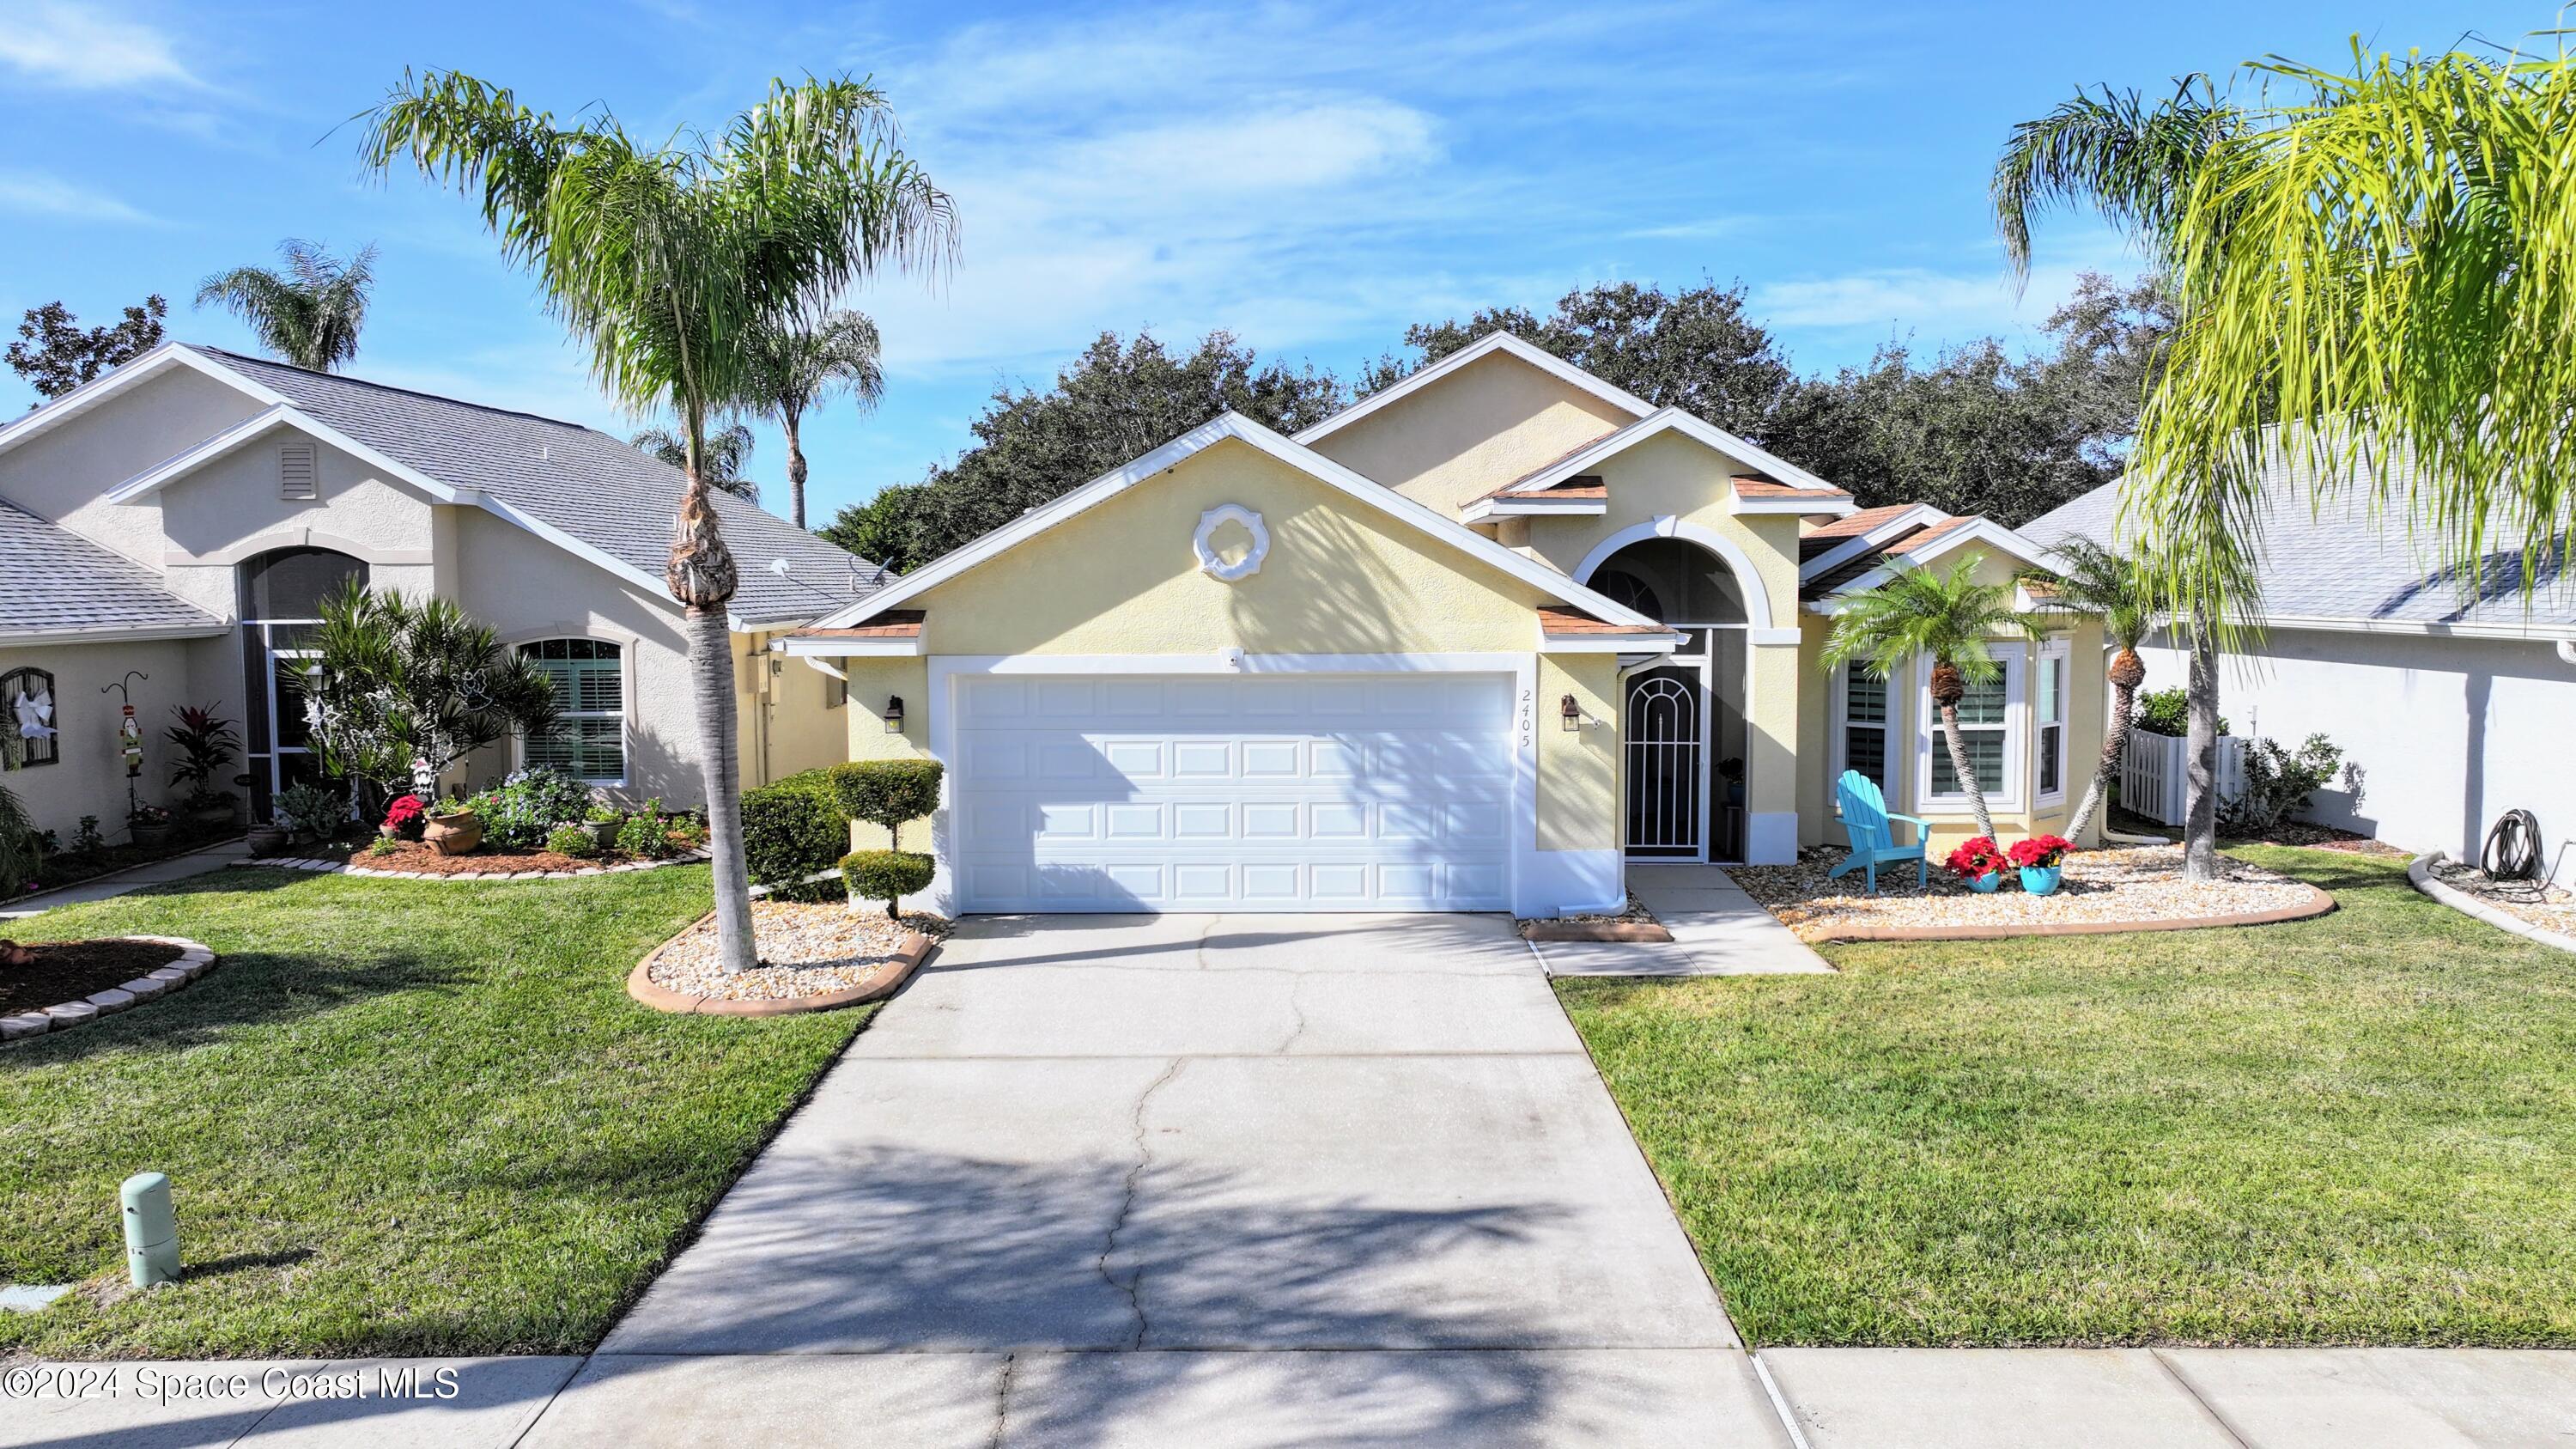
151,1229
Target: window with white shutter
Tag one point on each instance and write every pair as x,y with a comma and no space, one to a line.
588,739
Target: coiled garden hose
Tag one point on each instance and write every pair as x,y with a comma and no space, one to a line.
2513,848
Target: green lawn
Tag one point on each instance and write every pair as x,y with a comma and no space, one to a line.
400,1118
2357,1129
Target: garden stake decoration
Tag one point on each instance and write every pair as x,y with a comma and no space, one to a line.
129,736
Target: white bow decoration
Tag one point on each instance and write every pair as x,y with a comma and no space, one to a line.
34,713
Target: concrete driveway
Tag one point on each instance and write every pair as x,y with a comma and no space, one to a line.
1203,1180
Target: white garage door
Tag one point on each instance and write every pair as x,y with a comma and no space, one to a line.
1234,792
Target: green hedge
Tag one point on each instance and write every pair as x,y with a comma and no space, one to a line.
886,875
793,829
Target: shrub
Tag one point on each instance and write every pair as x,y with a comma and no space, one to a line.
1975,856
2041,851
792,829
383,845
571,840
888,793
404,816
529,805
2168,712
20,852
312,810
886,875
645,835
2278,784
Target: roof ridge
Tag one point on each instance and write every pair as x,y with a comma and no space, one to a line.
226,352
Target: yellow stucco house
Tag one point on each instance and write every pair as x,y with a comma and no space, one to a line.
1474,643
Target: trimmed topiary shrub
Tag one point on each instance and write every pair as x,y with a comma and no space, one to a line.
791,829
888,793
886,875
571,840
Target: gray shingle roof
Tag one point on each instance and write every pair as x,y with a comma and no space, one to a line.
580,480
53,581
2338,562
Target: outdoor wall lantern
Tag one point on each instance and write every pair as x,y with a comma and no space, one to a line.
894,714
1568,714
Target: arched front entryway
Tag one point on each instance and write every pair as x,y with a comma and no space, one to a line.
280,602
1684,718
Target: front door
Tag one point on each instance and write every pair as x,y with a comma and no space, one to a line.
1667,743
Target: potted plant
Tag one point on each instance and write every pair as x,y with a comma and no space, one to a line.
1978,859
602,823
1731,770
310,812
453,828
2042,859
148,824
404,818
267,837
206,742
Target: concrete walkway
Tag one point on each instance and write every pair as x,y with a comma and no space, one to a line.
177,867
1717,929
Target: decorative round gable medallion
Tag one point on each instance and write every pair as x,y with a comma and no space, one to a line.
1204,543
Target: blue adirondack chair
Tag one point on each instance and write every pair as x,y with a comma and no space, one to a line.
1865,817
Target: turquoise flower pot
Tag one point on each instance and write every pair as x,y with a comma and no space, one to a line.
2041,880
1986,883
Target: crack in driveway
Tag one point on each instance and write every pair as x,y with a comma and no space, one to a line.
1134,1287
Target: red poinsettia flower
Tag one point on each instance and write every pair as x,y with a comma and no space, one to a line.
403,816
2041,851
1976,856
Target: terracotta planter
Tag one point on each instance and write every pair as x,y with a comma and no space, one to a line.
454,834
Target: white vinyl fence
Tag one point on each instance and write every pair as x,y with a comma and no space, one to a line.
2155,784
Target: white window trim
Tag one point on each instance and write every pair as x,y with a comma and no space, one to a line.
1838,733
624,714
1936,789
2059,647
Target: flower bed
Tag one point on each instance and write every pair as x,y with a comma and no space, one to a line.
2139,888
812,955
52,986
419,862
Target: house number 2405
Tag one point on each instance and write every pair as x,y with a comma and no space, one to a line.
1529,731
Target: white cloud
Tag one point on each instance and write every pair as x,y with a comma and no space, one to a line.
1910,295
78,47
34,193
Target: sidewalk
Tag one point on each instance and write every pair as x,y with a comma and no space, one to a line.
1718,930
1834,1398
177,867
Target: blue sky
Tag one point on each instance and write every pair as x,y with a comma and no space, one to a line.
1310,177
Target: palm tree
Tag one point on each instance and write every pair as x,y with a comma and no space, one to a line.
666,260
796,366
1950,619
2120,591
2137,163
309,314
728,451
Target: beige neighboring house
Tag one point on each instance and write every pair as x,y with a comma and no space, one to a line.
168,528
1476,643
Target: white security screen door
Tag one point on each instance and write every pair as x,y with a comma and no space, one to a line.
1277,792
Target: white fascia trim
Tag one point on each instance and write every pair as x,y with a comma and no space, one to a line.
1981,530
1235,425
1484,509
1794,507
814,649
1757,600
1674,420
1538,357
89,394
1920,514
2533,633
1608,643
113,635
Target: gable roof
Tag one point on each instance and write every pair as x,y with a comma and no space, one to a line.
1503,342
1800,485
2336,566
1539,576
57,585
1907,537
578,488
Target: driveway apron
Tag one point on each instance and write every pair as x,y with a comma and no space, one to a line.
1191,1175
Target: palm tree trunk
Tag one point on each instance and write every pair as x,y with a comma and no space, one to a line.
2200,764
795,472
1968,785
711,681
2115,743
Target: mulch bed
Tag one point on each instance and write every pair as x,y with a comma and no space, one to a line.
420,859
70,970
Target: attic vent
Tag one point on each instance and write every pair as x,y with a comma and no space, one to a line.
295,473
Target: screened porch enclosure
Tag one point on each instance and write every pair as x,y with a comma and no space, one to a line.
1683,718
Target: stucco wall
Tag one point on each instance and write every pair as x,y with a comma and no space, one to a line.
62,472
872,683
2443,734
1465,434
89,779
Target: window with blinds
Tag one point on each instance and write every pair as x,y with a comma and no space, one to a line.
2049,709
1982,723
1865,726
588,739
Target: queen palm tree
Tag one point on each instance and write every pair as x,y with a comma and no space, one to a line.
665,260
2120,591
2136,163
796,366
1950,619
309,314
728,452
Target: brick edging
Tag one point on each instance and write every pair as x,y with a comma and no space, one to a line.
2419,874
2317,904
194,959
888,979
336,867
